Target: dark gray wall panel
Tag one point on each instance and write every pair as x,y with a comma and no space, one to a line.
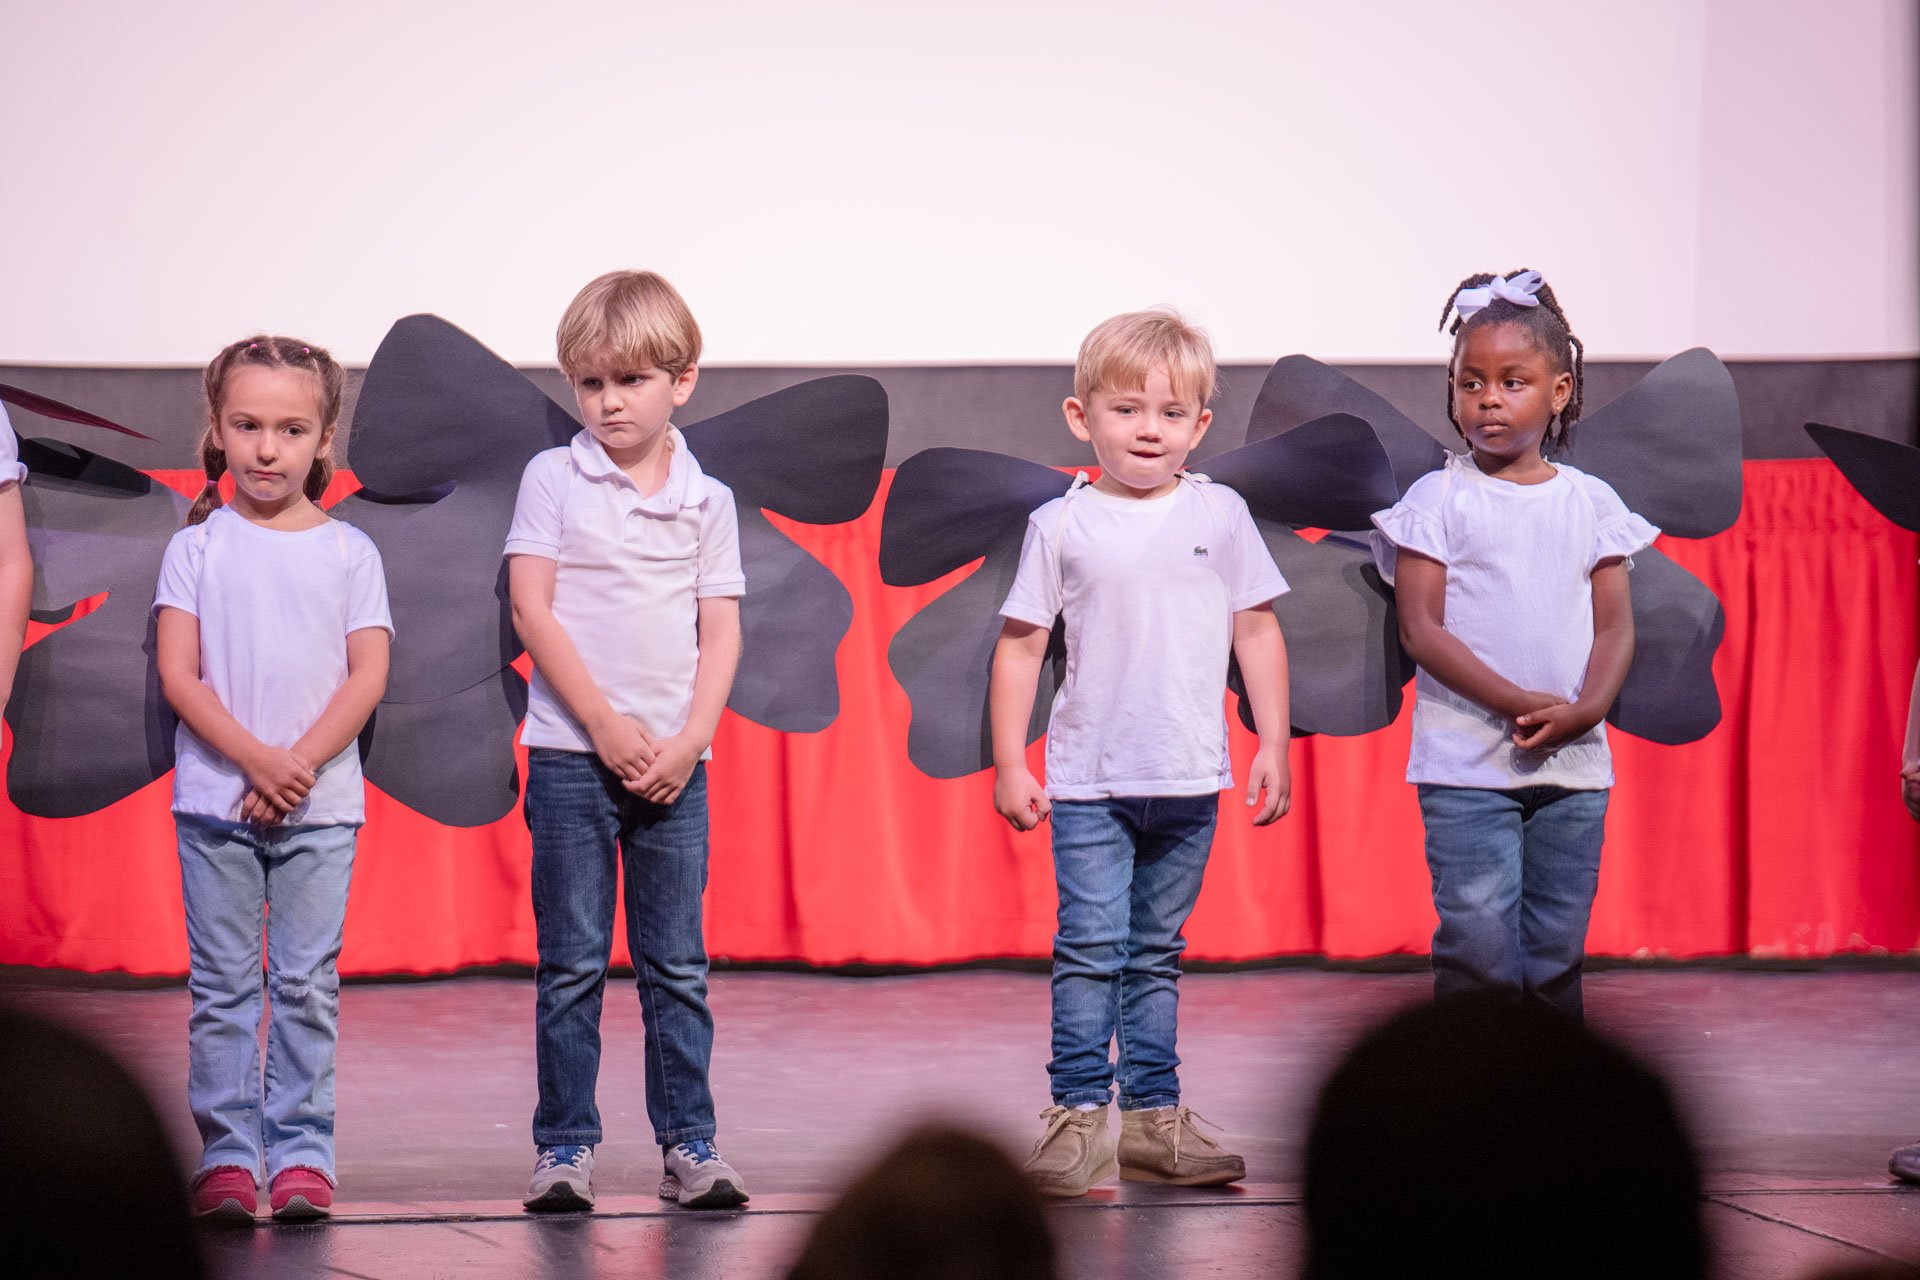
1015,409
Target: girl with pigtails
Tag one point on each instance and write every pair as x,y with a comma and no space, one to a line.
1510,577
273,633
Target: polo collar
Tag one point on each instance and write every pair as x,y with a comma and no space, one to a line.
685,486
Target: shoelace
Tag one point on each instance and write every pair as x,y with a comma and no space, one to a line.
1182,1121
699,1151
550,1160
1057,1119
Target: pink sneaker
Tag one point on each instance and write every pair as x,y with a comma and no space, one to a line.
225,1193
300,1193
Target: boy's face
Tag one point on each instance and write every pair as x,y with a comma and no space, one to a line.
1141,437
627,410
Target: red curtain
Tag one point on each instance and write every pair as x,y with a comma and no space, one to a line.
1781,833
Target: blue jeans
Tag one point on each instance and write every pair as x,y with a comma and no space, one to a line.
585,826
1514,873
230,872
1128,870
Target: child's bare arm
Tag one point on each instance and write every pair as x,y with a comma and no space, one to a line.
719,658
617,740
1607,665
346,713
1261,650
1420,598
280,776
1017,794
16,584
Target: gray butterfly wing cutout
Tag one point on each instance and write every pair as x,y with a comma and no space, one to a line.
442,433
1670,445
89,724
1885,472
795,611
1344,662
947,508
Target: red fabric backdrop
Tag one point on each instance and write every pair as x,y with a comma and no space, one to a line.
1781,833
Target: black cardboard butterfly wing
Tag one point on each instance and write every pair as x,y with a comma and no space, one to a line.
948,508
441,434
89,724
1886,472
813,452
1346,668
1299,389
1670,447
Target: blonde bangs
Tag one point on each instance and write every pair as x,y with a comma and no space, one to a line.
627,321
1122,353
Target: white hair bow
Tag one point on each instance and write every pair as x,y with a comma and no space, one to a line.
1519,291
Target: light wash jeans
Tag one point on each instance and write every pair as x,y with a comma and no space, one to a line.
1128,871
1514,874
586,828
233,874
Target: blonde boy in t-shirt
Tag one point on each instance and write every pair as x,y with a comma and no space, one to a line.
1158,573
624,570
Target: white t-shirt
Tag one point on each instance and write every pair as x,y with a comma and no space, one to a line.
12,470
1149,589
1520,560
629,570
275,608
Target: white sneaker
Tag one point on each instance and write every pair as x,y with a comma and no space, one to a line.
697,1178
562,1179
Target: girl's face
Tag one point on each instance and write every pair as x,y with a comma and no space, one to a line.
1506,391
270,430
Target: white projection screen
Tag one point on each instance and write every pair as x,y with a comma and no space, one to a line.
862,181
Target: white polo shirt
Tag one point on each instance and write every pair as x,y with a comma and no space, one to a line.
628,573
12,470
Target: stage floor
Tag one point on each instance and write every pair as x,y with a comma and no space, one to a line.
1798,1085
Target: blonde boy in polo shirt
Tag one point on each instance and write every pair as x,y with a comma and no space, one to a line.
624,570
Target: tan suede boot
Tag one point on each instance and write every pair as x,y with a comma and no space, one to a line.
1075,1152
1162,1145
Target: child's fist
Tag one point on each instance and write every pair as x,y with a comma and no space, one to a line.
1020,799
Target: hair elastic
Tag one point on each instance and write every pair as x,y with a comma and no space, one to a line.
1519,291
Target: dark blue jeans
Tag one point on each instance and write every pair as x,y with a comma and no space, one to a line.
585,828
1128,870
1514,873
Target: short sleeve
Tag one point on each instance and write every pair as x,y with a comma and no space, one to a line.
179,585
12,470
1252,578
367,588
719,572
1035,597
537,510
1618,532
1413,523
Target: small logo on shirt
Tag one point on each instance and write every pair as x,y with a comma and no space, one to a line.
1200,553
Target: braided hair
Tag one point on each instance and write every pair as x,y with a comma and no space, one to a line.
1545,324
268,352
